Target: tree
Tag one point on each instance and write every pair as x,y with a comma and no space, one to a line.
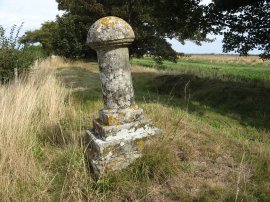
244,23
152,20
13,54
69,38
44,35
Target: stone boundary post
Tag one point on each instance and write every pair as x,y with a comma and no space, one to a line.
118,135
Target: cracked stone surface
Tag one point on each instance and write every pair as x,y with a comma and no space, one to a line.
120,132
116,78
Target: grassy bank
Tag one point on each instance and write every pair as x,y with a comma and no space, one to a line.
215,144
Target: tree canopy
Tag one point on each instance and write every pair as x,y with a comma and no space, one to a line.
45,36
245,25
153,22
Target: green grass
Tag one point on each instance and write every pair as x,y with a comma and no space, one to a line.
205,68
216,132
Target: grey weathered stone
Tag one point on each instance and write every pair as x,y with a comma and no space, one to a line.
110,32
120,131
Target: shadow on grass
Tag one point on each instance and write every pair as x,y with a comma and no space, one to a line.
79,78
247,102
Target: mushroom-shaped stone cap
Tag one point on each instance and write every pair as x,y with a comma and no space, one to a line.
110,32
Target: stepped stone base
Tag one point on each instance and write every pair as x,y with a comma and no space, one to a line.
114,117
120,149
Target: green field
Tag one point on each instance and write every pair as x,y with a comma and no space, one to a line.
205,68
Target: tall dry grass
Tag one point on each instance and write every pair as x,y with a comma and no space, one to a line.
26,106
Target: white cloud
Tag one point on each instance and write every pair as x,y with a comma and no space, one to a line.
32,12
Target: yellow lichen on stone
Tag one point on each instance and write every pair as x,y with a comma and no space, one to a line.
111,24
110,120
107,21
140,143
133,107
113,121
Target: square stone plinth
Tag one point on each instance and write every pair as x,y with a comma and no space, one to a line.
118,151
103,131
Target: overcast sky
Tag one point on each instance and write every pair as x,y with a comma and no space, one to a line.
34,12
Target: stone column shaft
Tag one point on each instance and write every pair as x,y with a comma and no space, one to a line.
116,78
